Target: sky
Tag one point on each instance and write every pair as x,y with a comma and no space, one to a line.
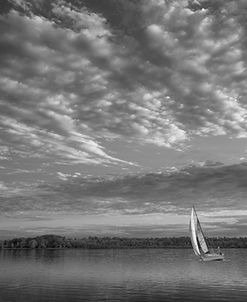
116,116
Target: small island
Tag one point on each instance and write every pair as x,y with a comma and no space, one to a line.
94,242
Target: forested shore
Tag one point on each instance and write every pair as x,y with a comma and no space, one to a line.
54,241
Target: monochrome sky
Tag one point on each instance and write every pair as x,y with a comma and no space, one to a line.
116,116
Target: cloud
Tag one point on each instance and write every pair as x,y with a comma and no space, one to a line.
209,187
63,176
155,200
153,72
3,186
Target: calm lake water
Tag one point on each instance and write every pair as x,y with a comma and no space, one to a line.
120,275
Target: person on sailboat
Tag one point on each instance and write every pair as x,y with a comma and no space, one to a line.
219,251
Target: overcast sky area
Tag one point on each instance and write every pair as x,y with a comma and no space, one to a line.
116,116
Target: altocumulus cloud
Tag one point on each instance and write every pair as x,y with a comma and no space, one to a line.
76,72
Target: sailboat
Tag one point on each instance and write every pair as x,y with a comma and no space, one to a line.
198,241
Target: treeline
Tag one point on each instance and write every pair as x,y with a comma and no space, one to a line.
54,241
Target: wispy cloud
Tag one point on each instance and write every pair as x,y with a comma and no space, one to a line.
154,200
216,187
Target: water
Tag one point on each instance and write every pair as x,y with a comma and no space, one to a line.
120,275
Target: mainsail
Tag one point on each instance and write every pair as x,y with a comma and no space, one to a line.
201,238
197,238
193,231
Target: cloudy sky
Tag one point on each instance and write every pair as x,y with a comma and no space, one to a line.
117,116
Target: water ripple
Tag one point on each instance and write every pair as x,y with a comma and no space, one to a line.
120,275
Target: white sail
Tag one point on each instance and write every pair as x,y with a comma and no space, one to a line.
201,239
193,231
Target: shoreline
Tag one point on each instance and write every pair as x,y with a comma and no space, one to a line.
94,242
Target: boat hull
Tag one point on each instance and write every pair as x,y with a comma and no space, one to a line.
212,257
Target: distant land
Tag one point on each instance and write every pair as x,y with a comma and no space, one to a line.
55,241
